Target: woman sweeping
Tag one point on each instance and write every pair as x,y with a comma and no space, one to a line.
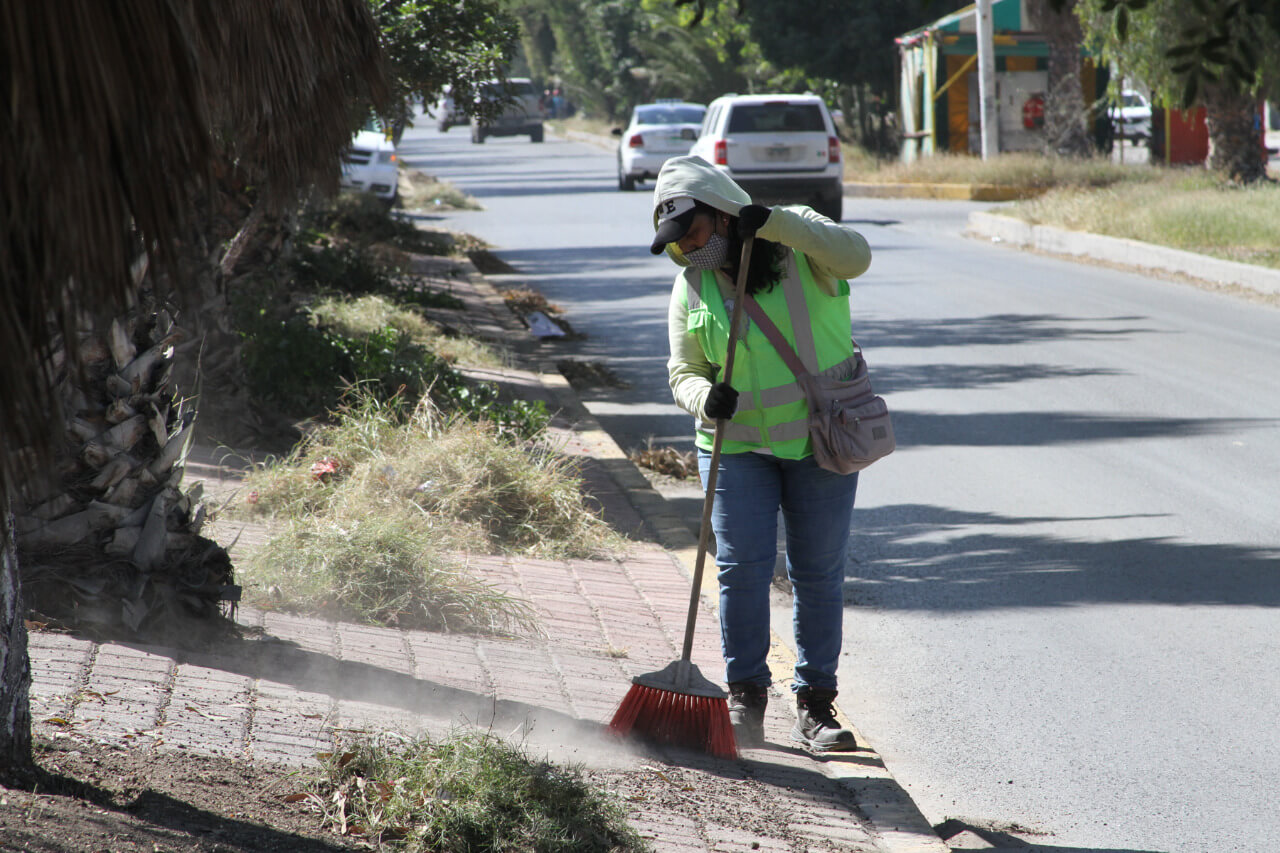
796,275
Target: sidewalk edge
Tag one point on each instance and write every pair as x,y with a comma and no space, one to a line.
1133,254
894,817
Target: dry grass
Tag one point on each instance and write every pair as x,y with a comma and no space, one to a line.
468,793
523,300
1183,209
420,191
666,460
1019,169
361,317
377,506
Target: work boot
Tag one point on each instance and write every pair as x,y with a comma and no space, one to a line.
816,725
747,702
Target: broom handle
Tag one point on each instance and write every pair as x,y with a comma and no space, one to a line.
704,532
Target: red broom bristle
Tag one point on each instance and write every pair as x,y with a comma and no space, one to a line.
668,717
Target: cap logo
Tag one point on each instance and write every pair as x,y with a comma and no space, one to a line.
673,207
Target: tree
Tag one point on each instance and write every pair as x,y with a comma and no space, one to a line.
590,48
1219,54
1065,118
433,44
122,118
848,42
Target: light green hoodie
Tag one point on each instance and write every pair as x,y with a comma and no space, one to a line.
834,252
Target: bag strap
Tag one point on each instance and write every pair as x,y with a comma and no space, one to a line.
774,334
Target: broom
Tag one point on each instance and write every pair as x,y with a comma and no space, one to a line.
677,705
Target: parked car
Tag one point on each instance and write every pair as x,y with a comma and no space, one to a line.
450,114
370,164
779,148
520,114
655,133
1131,117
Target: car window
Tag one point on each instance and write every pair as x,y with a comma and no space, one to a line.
669,115
710,120
773,117
1132,100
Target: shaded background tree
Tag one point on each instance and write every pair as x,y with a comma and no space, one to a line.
1220,54
431,45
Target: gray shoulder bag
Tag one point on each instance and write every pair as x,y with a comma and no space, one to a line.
849,423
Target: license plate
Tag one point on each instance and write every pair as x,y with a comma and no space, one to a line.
777,153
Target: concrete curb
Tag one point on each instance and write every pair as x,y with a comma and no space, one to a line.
1128,253
884,804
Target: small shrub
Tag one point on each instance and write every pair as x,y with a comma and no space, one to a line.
362,219
358,270
470,793
465,485
375,569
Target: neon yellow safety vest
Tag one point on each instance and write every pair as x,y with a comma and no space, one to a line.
772,411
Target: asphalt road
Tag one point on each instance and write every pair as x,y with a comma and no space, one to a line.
1063,605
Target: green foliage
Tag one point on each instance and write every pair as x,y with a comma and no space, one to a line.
303,367
1178,47
849,42
470,793
431,44
363,219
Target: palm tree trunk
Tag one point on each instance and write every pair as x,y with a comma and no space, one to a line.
15,669
1065,116
1234,144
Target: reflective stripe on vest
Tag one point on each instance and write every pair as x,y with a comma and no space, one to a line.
772,410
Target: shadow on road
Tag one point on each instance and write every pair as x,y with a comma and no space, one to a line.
901,563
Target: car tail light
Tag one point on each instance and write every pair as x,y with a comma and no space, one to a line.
722,153
833,149
636,140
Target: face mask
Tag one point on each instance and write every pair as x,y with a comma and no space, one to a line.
711,256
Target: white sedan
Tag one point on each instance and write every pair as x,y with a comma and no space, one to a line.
657,132
370,164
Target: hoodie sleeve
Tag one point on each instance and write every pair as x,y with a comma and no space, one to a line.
834,251
688,370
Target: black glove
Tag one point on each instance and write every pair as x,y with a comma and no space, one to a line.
751,218
722,402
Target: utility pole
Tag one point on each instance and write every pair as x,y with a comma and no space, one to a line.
987,82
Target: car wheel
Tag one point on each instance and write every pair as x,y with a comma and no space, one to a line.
477,135
626,183
831,206
443,126
535,135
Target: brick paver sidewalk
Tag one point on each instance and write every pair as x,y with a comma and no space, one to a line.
296,684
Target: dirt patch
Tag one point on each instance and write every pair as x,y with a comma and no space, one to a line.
105,798
123,800
590,374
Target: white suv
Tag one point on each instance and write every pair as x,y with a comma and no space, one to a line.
779,148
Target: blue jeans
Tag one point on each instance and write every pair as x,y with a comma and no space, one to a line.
816,508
